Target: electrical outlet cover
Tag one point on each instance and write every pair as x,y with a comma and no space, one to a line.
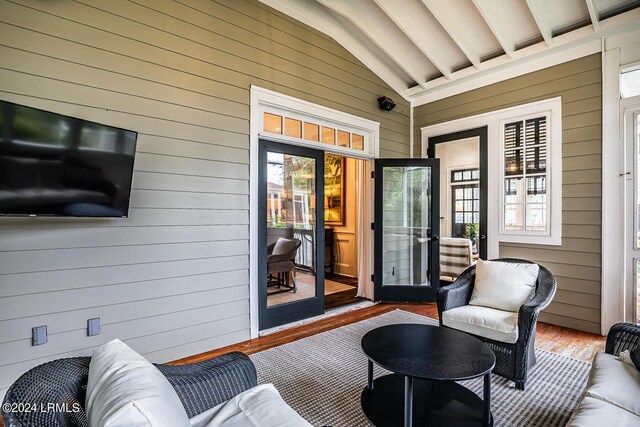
39,335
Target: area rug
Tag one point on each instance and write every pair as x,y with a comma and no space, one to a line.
322,377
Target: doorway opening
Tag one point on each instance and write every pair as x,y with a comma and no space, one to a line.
463,207
311,203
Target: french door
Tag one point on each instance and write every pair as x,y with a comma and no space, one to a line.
291,233
407,229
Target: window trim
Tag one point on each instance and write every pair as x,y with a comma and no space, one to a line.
525,175
553,235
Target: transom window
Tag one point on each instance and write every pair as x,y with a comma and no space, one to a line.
312,131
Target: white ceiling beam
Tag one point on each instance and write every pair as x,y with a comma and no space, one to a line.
539,15
566,47
372,22
317,17
415,24
490,15
450,25
593,13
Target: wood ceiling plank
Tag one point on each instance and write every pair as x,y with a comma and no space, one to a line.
374,24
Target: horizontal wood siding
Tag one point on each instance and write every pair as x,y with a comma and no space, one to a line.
576,263
172,280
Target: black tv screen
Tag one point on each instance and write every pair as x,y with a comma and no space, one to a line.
56,165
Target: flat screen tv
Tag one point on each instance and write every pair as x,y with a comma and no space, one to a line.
56,165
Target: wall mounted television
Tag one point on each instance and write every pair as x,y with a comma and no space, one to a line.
56,165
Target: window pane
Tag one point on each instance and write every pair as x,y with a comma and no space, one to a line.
311,132
357,141
466,175
343,138
468,193
293,128
535,131
459,218
476,205
468,205
513,135
513,162
328,135
536,189
457,176
459,206
459,193
476,218
476,193
272,123
475,174
513,217
630,83
536,159
537,217
468,218
513,191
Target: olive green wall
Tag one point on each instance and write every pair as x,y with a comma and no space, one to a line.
171,280
576,263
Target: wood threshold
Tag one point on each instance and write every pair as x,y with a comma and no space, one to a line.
567,342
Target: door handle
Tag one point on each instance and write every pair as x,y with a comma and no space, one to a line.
435,238
483,237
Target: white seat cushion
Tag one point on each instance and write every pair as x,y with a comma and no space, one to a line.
593,412
260,406
614,381
503,285
125,389
486,322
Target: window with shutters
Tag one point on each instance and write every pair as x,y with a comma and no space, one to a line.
526,176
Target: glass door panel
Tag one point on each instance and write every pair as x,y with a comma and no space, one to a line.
406,229
292,285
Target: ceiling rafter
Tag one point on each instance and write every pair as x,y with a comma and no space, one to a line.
314,16
593,13
490,15
413,25
374,26
539,14
452,28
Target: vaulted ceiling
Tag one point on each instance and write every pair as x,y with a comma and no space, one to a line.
420,47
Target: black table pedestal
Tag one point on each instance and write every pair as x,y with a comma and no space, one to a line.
432,403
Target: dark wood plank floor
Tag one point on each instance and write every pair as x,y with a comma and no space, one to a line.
568,342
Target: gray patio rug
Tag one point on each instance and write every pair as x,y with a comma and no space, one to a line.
322,377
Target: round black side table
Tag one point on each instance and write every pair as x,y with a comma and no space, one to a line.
426,362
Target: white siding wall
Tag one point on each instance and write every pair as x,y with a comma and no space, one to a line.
171,280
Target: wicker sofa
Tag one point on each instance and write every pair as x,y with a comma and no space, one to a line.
611,397
200,386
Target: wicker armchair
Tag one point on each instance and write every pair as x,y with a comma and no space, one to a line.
512,360
621,337
63,382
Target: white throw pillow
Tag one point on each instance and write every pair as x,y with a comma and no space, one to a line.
125,389
504,285
260,406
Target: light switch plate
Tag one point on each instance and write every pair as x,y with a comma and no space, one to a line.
39,335
93,327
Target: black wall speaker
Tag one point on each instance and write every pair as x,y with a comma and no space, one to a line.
386,103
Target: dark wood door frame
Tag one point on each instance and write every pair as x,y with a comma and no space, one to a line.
296,310
481,133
